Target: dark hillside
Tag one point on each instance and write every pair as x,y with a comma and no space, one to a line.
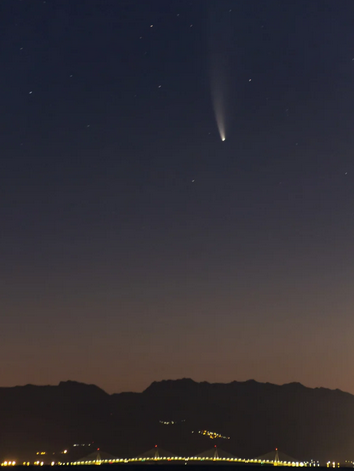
304,423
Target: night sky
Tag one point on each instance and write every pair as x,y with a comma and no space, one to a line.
135,245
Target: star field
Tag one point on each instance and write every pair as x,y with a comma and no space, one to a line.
132,239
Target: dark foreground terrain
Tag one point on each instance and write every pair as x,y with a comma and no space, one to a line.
160,467
302,422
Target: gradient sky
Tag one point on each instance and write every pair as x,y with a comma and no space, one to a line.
135,245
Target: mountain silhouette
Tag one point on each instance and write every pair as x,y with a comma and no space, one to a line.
258,417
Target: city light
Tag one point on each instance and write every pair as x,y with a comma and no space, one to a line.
212,435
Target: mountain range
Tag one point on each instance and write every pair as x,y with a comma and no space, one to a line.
253,418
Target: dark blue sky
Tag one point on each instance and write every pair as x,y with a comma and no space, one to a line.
134,244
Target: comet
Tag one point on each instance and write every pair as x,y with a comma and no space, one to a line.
220,117
217,93
220,38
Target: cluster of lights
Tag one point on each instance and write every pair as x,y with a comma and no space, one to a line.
333,464
41,453
36,463
78,463
297,464
212,435
170,422
81,444
8,463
